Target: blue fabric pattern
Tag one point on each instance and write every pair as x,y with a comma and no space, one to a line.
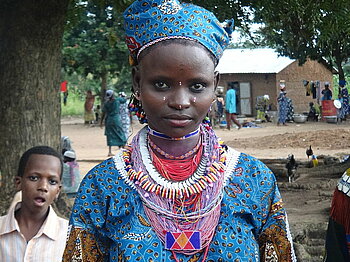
345,109
252,225
114,130
147,21
283,107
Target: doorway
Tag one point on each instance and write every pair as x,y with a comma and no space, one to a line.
243,97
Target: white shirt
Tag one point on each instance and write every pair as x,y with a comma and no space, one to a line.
47,245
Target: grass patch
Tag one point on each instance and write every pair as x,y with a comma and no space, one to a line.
74,106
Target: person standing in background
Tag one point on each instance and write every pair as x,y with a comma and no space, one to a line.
326,92
71,174
97,113
282,104
89,116
113,126
344,96
65,97
124,115
231,108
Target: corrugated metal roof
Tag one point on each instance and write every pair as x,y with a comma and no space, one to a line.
262,60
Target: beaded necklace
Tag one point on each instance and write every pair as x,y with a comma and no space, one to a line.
164,136
191,205
176,170
166,155
148,178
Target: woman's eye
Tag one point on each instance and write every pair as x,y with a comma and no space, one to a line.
161,85
198,87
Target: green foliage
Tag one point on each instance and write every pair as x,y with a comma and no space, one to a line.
95,45
300,29
80,84
123,82
74,106
304,29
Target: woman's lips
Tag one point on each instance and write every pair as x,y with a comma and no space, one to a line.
176,122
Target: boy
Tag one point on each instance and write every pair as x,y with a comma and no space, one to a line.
32,231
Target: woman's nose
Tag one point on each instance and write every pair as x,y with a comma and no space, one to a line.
179,99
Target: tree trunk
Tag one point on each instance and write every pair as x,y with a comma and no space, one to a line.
338,62
30,59
104,78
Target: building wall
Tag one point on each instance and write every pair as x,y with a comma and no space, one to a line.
294,76
268,84
260,84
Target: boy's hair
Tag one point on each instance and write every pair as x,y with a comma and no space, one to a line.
39,150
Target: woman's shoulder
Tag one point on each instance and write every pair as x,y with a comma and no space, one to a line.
244,168
104,174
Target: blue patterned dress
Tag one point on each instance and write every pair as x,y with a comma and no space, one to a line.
282,107
345,108
113,126
108,221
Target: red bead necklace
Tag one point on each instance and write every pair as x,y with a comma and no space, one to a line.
177,170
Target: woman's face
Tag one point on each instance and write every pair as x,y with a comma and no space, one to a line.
176,84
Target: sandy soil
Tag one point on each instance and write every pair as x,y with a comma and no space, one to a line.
307,201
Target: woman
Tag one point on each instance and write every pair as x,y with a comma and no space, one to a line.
124,116
89,108
283,105
113,127
344,95
338,231
177,193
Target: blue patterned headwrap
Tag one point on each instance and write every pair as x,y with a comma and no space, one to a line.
150,21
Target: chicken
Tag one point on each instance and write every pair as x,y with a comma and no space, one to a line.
291,167
309,152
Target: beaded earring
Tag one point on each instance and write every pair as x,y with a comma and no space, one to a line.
206,122
135,106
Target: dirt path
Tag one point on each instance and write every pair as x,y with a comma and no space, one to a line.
269,141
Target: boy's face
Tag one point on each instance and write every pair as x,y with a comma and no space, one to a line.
41,183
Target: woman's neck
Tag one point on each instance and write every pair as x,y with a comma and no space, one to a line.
176,147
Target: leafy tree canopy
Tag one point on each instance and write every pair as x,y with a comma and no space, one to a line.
299,29
95,44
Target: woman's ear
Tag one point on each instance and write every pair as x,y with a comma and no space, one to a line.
216,82
135,71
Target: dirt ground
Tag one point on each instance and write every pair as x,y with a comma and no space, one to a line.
307,200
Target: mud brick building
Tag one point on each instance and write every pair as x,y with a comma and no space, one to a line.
258,72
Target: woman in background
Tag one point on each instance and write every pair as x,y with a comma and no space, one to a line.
124,115
283,105
113,126
89,116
